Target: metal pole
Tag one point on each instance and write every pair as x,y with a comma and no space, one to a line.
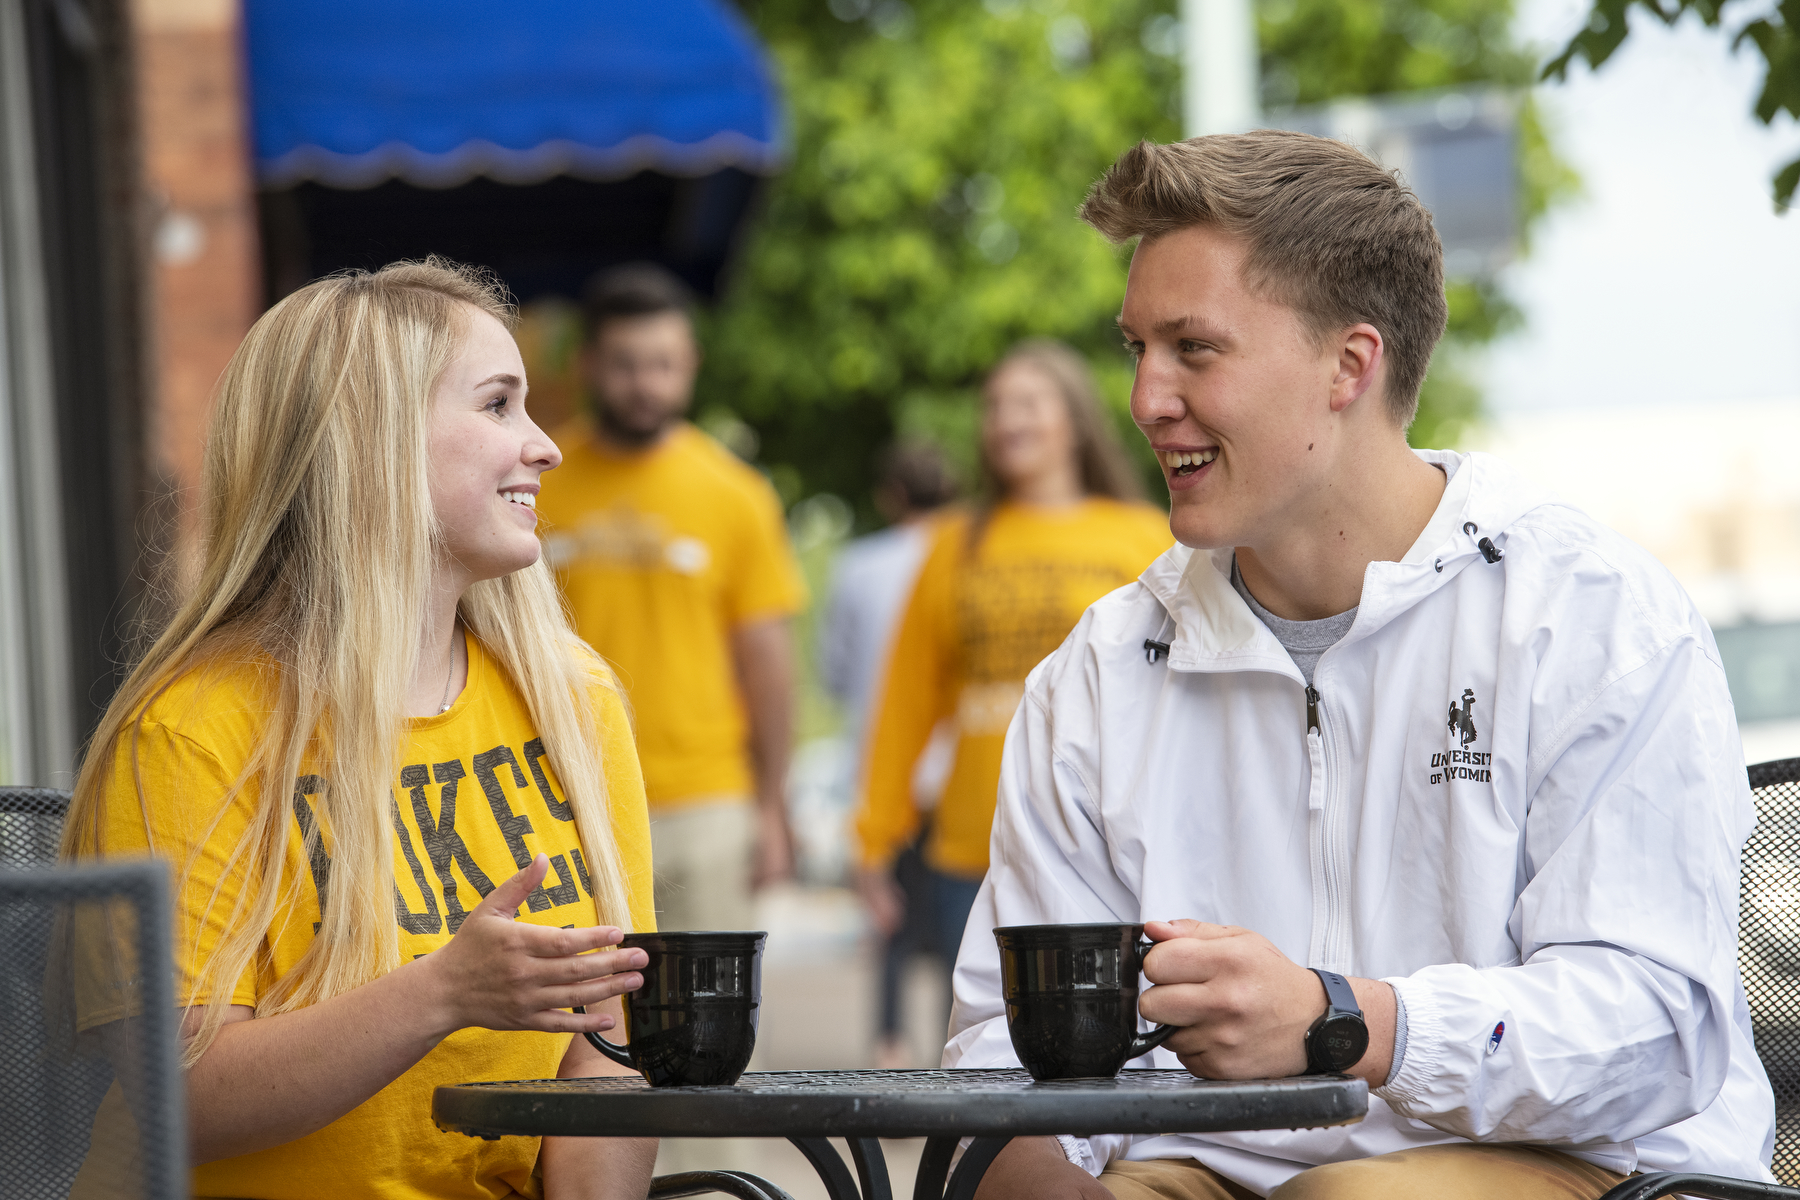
37,695
1219,75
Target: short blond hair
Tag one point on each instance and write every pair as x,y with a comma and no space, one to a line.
1330,232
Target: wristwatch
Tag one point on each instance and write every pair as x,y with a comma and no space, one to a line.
1337,1040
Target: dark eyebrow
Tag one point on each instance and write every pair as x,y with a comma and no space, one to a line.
1188,324
511,381
1182,324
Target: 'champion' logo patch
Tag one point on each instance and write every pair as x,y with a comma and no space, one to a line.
1494,1037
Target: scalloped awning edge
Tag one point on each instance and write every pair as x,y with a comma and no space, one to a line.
480,158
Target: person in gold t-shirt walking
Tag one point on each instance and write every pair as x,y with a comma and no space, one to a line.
675,561
1061,524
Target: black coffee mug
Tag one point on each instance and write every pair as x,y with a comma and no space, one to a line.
694,1020
1071,995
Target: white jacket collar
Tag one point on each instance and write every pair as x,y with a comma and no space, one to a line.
1216,631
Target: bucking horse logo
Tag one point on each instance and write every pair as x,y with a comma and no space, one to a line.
1462,720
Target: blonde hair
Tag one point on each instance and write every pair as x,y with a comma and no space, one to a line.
1330,232
320,539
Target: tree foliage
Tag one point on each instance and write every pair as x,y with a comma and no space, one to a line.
927,219
1774,33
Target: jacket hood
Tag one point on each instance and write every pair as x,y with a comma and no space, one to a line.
1214,630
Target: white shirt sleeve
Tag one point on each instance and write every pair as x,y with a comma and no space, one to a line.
1617,1020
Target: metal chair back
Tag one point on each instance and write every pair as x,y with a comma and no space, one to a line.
31,821
1769,946
87,997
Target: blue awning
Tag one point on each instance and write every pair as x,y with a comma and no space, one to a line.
435,92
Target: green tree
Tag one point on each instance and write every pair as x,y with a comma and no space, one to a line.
926,221
1774,33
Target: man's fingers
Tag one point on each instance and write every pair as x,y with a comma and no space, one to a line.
1183,1004
1162,931
506,899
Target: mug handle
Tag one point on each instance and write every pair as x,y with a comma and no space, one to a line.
1143,1043
619,1054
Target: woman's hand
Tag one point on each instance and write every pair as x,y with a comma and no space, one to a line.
273,1079
501,973
886,902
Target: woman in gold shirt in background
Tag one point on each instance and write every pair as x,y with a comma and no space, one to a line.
398,797
1061,523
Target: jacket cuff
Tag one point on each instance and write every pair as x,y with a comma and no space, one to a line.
1080,1151
1410,1081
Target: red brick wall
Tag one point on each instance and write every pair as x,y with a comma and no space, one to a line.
205,289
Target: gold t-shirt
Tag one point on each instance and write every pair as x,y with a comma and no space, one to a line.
661,555
474,801
980,618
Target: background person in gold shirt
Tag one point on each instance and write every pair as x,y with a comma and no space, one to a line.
675,560
398,796
1062,525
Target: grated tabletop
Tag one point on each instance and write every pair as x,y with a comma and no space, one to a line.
926,1103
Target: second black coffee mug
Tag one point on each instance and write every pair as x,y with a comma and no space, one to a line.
694,1020
1071,994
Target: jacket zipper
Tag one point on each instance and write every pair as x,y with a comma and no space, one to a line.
1327,868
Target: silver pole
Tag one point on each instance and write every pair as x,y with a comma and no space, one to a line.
37,698
1219,76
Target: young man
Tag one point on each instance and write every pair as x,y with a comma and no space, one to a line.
1416,725
675,560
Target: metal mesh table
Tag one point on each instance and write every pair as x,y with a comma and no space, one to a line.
808,1107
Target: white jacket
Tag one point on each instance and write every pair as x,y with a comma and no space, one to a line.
1523,808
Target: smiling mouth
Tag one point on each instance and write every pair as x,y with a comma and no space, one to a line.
524,498
1185,462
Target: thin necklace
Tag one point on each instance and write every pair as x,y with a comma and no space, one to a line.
449,674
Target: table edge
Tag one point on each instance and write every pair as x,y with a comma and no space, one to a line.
487,1112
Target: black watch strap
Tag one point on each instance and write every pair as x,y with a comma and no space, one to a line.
1339,996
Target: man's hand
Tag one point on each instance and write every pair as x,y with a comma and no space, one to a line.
1035,1168
1245,1006
774,861
763,653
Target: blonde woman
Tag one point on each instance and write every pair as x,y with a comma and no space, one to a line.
398,796
1061,522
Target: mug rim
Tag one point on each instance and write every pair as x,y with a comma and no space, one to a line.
1089,928
680,940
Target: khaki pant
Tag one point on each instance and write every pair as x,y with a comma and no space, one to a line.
701,853
1428,1173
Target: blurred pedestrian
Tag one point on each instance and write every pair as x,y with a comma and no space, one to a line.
675,560
870,582
1060,522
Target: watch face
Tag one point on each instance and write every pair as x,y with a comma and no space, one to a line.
1338,1042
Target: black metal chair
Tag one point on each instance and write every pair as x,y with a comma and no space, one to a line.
84,941
740,1184
1769,959
31,821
